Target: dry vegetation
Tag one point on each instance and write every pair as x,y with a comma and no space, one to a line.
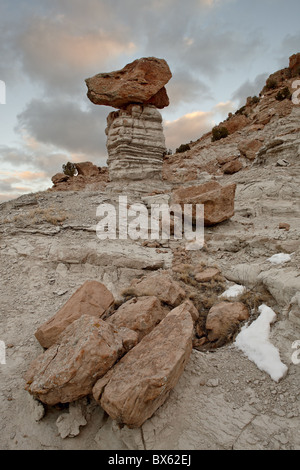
37,216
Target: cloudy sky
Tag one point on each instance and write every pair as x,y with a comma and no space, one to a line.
219,52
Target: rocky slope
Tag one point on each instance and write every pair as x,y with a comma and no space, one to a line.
49,248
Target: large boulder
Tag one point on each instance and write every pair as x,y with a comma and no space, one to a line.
142,380
92,298
141,81
218,200
140,314
86,350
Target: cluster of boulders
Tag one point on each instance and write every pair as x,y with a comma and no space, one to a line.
129,357
135,139
86,174
129,361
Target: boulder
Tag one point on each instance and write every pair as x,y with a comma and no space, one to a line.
160,285
142,380
207,275
67,371
223,318
141,81
218,200
92,298
249,148
87,169
140,314
232,167
59,178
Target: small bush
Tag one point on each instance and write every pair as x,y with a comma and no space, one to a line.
283,94
255,100
183,148
241,110
69,169
219,133
271,84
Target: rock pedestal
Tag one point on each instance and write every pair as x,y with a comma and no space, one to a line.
135,139
135,143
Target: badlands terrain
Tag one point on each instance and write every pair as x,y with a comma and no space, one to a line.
49,248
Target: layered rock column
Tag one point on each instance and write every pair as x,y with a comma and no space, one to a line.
135,143
135,139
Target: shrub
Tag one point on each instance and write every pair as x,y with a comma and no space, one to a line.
283,94
69,169
183,148
255,100
219,133
271,84
241,110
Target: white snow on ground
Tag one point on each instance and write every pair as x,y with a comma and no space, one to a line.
279,258
254,341
233,291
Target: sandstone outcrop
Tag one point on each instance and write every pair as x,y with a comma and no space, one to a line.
142,380
89,176
294,64
92,298
218,200
86,350
141,81
135,143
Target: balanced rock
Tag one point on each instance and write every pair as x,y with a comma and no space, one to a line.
223,318
140,314
218,200
135,143
142,380
86,350
92,298
160,285
141,81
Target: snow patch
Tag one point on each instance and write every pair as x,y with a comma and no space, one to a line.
254,342
279,258
234,291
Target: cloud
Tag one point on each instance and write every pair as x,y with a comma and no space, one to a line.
193,125
185,88
249,88
189,127
60,56
66,126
